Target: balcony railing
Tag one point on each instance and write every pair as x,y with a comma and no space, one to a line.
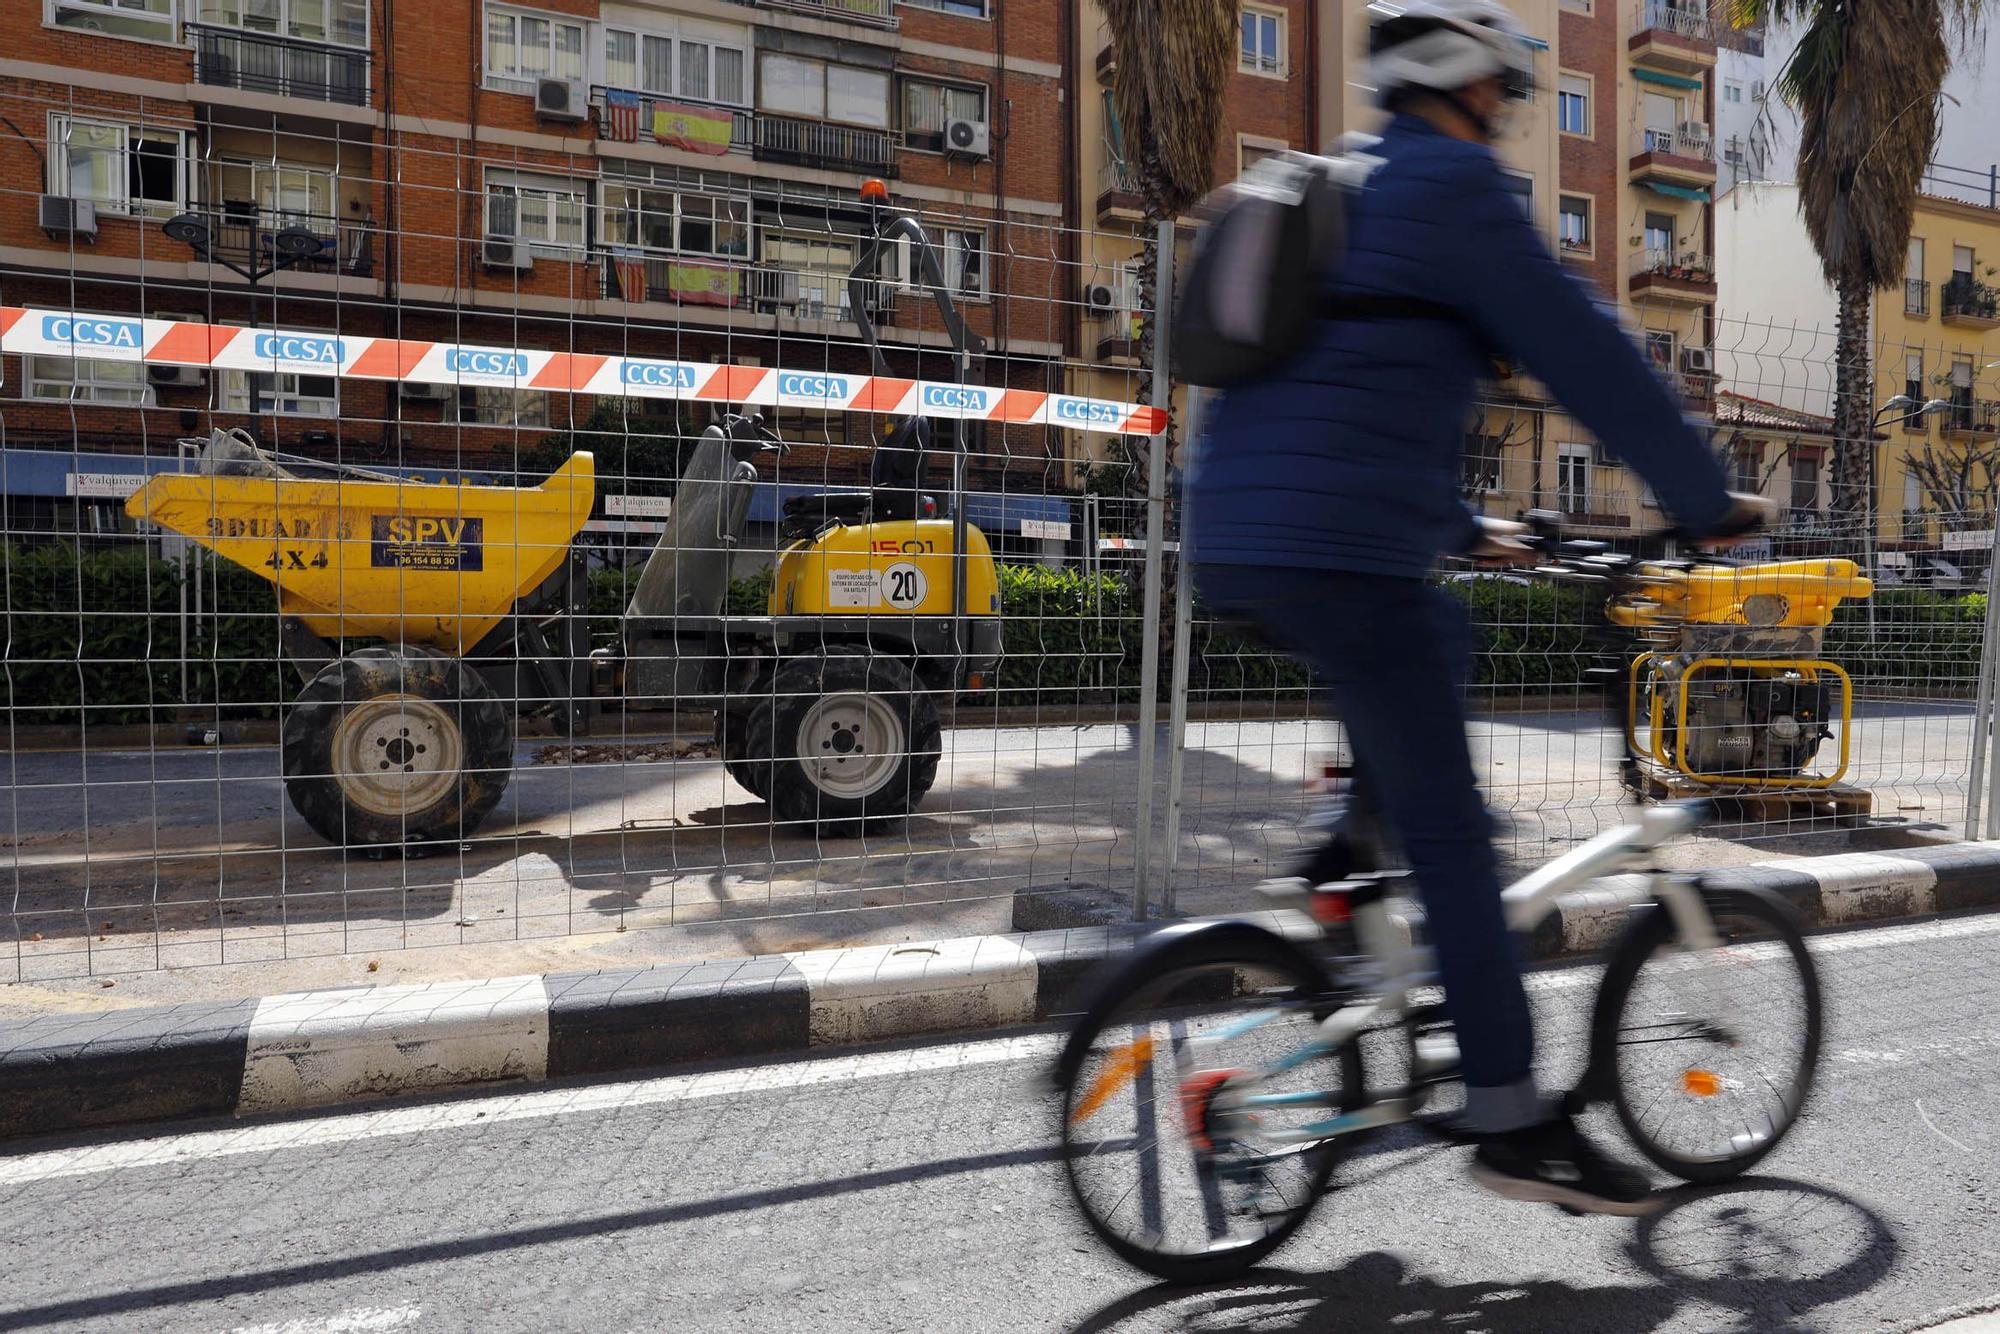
1682,18
816,143
636,121
1966,298
688,280
1686,272
249,237
260,63
1916,526
1916,296
1973,416
874,13
1691,139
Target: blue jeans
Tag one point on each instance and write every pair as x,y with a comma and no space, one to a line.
1394,653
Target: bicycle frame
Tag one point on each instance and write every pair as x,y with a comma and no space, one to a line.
1406,967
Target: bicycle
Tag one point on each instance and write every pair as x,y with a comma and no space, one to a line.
1248,1044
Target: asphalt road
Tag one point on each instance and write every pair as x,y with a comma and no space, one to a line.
914,1190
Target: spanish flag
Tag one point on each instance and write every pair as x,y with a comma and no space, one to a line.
697,129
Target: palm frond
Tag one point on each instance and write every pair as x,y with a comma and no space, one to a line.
1173,64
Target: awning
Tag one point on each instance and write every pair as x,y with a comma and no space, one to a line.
1677,191
1536,42
1665,80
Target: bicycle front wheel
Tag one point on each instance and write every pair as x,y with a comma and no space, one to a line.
1712,1051
1188,1127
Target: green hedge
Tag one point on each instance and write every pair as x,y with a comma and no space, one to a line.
101,629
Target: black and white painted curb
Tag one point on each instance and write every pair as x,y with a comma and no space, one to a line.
322,1048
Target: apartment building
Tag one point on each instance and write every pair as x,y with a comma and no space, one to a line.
1935,337
678,180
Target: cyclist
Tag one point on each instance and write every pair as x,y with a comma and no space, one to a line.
1326,491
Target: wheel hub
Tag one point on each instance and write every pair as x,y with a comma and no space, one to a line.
397,754
850,744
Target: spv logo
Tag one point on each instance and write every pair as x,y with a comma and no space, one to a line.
92,332
954,398
486,361
658,375
426,542
298,347
793,384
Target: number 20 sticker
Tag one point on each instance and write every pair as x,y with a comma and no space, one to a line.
903,585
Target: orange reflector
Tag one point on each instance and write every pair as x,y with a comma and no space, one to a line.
1701,1083
1120,1069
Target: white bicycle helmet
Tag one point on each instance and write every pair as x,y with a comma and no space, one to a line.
1445,45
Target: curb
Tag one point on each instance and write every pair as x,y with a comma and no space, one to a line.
325,1048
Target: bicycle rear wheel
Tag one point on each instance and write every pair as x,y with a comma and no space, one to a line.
1182,1141
1711,1052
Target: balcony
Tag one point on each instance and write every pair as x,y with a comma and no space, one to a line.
1686,277
1916,298
1118,193
1697,392
248,236
815,295
1972,417
1118,345
1587,511
819,143
636,120
1107,53
284,66
1673,34
685,280
873,13
1970,303
1683,156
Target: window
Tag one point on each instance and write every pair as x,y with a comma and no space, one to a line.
1913,384
120,168
1573,222
972,9
1479,463
1573,478
1805,478
492,405
1660,350
1577,6
1659,238
670,216
1746,464
277,193
342,22
793,86
279,393
1263,41
927,106
1732,91
79,380
700,63
521,48
1961,263
963,256
1913,262
806,271
1521,186
1573,104
1663,117
147,20
545,211
1249,152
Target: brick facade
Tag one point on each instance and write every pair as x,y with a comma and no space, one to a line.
1591,165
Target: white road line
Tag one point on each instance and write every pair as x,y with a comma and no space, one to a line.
276,1137
360,1320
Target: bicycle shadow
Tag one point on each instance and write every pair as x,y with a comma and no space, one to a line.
1767,1251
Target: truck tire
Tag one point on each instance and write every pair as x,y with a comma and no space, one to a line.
845,738
389,747
732,740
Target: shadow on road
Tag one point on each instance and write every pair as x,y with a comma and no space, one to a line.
1768,1251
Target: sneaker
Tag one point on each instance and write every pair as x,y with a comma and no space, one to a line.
1553,1163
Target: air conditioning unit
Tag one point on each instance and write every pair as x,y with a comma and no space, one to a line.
561,99
183,376
967,139
423,393
1697,361
62,216
501,253
1100,298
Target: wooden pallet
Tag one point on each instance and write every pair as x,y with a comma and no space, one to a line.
1768,805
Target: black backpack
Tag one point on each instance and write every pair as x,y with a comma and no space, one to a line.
1253,290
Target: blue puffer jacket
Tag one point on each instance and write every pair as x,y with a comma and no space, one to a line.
1347,458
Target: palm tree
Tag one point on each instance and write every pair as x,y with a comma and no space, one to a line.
1173,67
1865,80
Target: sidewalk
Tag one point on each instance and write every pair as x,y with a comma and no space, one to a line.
348,1044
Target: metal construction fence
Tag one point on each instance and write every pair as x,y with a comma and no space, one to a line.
645,598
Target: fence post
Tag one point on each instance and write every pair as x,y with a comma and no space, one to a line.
1982,707
1177,687
1156,504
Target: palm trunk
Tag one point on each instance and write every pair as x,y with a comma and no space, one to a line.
1853,404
